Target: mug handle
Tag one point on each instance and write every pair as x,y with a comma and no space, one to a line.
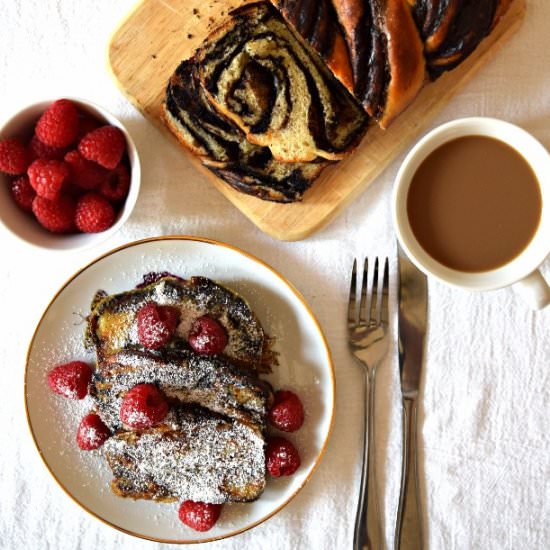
534,290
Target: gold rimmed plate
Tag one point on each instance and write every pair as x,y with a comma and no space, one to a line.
305,366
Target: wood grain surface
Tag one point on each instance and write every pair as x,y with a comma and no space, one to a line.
158,34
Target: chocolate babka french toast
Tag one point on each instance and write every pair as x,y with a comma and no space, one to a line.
112,323
208,444
184,377
194,454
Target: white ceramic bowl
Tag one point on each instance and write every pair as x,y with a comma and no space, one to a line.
28,230
527,262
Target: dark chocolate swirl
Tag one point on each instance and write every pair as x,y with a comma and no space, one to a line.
453,29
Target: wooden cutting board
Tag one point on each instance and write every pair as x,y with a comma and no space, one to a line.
158,34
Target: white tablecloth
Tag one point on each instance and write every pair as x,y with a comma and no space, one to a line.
484,437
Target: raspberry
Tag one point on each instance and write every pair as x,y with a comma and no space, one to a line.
84,173
39,150
281,457
47,177
154,276
58,125
106,145
207,336
23,193
14,159
287,413
70,380
92,433
94,213
200,516
116,185
156,325
56,216
143,407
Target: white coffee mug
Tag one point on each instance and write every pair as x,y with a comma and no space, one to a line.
521,272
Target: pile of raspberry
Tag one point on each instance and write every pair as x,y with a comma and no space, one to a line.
73,173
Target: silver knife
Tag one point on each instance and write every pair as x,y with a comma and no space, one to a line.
412,320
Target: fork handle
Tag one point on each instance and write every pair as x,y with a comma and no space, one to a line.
367,533
408,530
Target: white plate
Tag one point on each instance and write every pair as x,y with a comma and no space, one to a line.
305,366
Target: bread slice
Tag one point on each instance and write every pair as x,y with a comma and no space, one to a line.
194,455
184,377
383,47
260,73
112,324
223,147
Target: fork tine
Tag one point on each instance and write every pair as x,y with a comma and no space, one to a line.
374,294
384,310
363,304
352,310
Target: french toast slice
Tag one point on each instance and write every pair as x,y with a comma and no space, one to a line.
112,324
194,455
184,377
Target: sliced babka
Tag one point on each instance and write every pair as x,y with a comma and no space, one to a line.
383,64
223,147
258,72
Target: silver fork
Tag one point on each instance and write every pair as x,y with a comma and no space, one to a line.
368,342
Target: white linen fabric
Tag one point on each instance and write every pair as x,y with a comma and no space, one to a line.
484,431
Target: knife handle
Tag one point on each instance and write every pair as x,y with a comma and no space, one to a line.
367,533
408,530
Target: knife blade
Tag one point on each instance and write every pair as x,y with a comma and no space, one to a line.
412,324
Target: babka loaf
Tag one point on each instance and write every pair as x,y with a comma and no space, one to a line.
194,454
223,147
